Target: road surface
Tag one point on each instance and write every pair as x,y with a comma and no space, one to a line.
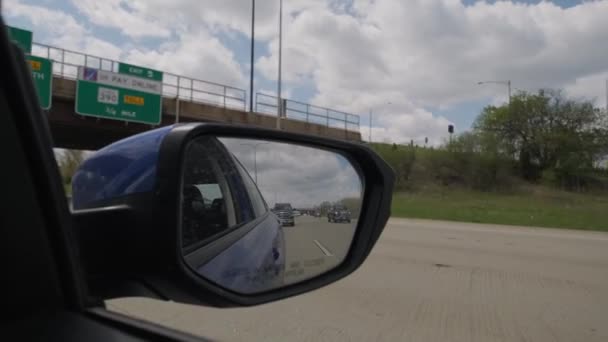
314,246
432,281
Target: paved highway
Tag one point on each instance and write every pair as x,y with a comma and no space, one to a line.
314,246
432,281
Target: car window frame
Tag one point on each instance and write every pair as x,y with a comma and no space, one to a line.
226,192
218,176
255,190
232,184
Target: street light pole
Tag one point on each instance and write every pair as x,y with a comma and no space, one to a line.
279,100
252,55
255,158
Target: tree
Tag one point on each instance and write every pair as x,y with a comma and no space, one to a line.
353,204
545,131
406,164
471,159
324,207
69,161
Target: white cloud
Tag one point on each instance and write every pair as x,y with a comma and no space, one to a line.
402,127
61,30
592,87
196,54
421,55
54,22
120,15
431,54
302,176
232,15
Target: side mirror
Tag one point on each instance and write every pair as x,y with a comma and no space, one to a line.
204,213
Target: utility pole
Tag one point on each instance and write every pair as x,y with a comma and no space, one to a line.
279,100
252,55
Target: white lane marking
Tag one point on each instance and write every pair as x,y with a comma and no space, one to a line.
322,248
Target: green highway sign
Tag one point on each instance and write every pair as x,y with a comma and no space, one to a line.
22,38
133,94
128,69
42,68
42,74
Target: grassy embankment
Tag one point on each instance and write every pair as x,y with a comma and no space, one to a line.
536,208
420,196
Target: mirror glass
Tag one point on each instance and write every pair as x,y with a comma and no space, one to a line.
258,215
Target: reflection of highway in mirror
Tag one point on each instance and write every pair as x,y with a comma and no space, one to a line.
257,215
314,246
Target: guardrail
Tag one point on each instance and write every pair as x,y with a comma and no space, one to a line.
267,104
66,63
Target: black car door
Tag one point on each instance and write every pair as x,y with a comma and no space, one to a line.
44,293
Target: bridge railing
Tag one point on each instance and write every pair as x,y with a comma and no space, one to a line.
66,63
267,104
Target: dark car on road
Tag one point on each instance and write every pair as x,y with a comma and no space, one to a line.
339,213
284,212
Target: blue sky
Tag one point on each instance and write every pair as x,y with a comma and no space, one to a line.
424,57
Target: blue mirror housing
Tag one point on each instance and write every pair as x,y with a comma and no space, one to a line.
127,214
126,167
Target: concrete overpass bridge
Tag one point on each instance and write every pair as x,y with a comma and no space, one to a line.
184,99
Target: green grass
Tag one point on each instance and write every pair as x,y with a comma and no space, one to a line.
538,207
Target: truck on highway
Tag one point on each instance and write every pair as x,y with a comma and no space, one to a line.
284,212
339,213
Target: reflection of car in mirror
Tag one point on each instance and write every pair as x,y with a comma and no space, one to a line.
219,197
285,213
338,213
